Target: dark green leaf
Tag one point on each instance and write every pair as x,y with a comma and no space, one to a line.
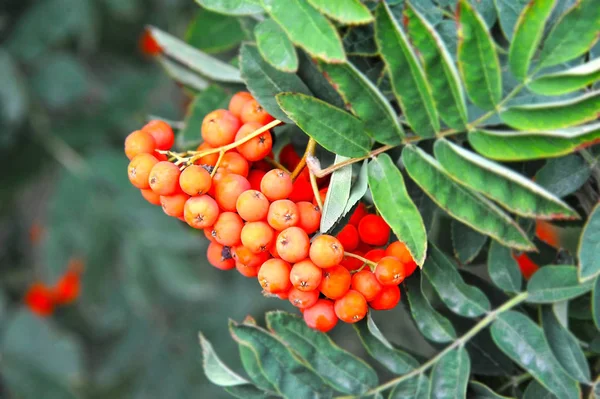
254,369
214,33
13,92
467,243
477,58
596,303
589,247
556,283
334,129
563,176
523,341
360,40
396,207
275,47
477,390
503,268
466,206
246,392
313,78
427,8
508,13
337,195
214,368
183,75
567,81
232,7
535,390
416,387
210,99
408,78
450,375
344,11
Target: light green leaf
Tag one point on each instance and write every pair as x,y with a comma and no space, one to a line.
232,7
589,247
523,341
573,35
556,283
359,188
567,81
470,208
503,268
479,391
334,129
275,47
265,82
337,195
596,303
513,191
563,176
527,36
477,58
416,387
183,75
351,12
535,390
555,115
439,68
508,14
342,370
307,28
467,243
214,33
366,102
210,99
195,59
407,77
396,207
450,375
214,368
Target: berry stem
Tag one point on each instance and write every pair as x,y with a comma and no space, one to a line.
214,171
310,149
366,261
273,162
329,170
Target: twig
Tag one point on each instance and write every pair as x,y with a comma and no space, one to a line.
310,149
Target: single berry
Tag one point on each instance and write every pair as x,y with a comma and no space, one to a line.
358,214
252,206
349,237
162,133
233,162
246,257
303,299
335,282
367,284
527,266
256,148
257,236
252,111
387,299
228,190
352,307
321,316
398,250
220,256
147,45
306,276
288,157
195,180
237,102
389,271
219,128
282,214
276,185
326,251
40,299
254,177
228,229
375,255
211,159
139,142
274,276
374,230
139,169
151,196
174,205
247,271
201,212
164,178
351,263
309,217
293,244
301,189
67,288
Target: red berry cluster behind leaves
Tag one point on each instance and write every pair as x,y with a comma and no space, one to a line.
261,223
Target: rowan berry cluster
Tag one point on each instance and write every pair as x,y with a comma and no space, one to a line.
262,222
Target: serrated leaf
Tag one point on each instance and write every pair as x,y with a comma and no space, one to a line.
351,12
307,28
183,75
527,36
523,341
508,14
214,368
334,129
396,207
467,243
210,99
573,34
589,247
556,283
513,191
472,209
596,303
275,47
337,195
366,102
503,268
313,78
477,390
195,59
214,33
232,7
439,68
450,375
265,82
380,349
359,188
342,370
430,323
254,369
567,81
563,176
555,115
565,347
407,77
522,146
416,387
477,58
535,390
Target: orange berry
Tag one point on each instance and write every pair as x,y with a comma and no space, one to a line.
326,251
387,299
301,190
257,236
273,250
252,206
293,244
151,196
164,178
367,284
303,299
309,216
288,157
237,102
276,184
173,205
527,266
282,214
219,128
306,276
220,256
358,214
348,237
247,271
374,230
246,257
274,276
254,177
139,142
228,190
335,282
398,250
389,271
233,162
162,133
195,180
352,307
201,212
211,159
40,299
228,229
67,288
375,255
256,148
209,233
139,169
252,111
321,316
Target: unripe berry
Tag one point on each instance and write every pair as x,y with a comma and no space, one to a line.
162,133
276,185
374,230
293,244
306,276
303,299
274,276
219,128
367,284
252,111
139,142
352,307
195,180
257,236
164,178
201,212
220,256
387,299
326,251
321,316
335,282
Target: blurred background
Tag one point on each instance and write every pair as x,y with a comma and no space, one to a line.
77,76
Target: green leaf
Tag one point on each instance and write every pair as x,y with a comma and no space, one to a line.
396,207
214,33
307,28
503,268
13,92
183,75
195,59
477,58
573,35
479,391
589,247
232,7
265,82
565,347
247,391
366,102
313,78
522,146
397,361
527,36
461,298
342,370
450,375
513,191
334,129
210,99
567,81
439,68
508,14
470,208
564,176
351,12
556,283
523,341
430,323
556,115
359,188
337,195
467,243
596,303
407,77
275,47
416,387
254,369
360,40
214,368
535,390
